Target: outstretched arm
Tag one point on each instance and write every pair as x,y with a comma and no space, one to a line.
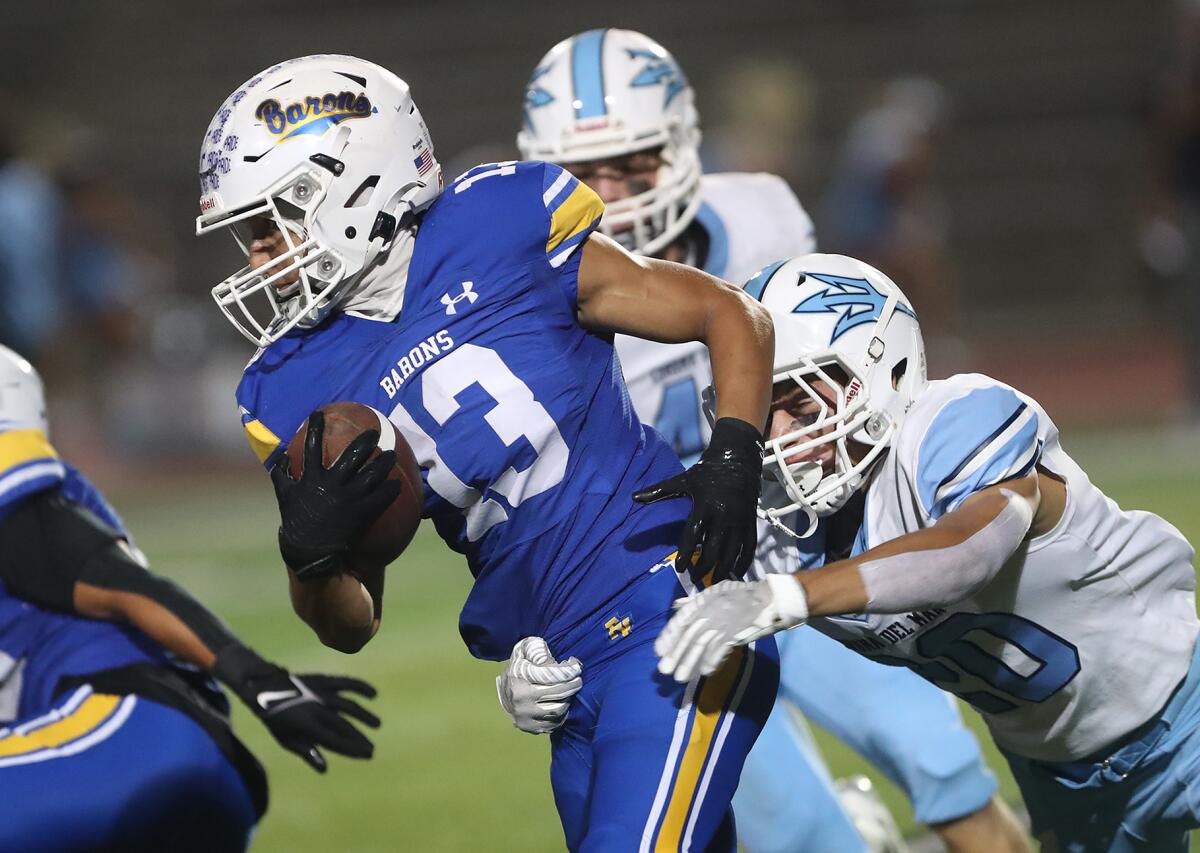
59,556
934,567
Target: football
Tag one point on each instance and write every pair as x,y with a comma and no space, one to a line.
387,538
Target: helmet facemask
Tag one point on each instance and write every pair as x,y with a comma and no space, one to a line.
807,486
290,205
651,220
332,152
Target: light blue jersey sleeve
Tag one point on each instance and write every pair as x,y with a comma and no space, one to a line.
986,436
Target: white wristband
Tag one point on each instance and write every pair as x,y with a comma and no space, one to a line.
791,602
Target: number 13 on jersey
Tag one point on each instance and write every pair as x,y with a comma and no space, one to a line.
516,414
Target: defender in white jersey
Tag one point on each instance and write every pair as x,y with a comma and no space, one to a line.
980,556
613,107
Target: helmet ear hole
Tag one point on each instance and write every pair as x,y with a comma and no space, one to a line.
898,373
362,196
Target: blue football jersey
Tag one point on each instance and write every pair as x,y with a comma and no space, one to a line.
38,647
528,445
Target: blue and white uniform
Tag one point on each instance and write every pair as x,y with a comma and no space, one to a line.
1078,653
86,769
911,732
529,452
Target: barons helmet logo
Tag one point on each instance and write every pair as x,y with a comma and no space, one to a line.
315,114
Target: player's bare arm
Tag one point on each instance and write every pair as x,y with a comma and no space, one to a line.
672,303
343,609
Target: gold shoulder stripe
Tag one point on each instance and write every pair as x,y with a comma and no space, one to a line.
19,446
577,212
85,719
262,441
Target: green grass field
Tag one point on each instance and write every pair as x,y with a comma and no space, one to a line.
449,773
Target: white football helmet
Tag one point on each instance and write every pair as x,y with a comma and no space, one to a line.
608,93
831,311
22,397
332,149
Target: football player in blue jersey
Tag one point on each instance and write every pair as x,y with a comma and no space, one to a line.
113,735
479,318
956,537
639,150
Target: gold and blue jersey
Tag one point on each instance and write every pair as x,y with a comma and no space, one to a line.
528,446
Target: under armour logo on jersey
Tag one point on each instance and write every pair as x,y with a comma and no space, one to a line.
468,293
856,298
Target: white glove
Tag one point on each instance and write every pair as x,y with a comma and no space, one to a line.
535,690
731,613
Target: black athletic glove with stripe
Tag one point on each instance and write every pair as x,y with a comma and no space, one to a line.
303,712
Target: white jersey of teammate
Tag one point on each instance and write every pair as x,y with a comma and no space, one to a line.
1083,634
751,220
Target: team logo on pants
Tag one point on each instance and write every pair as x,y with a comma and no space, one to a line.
619,627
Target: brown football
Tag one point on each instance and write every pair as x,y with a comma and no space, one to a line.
387,538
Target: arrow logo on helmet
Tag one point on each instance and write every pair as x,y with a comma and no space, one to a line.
658,70
856,298
535,96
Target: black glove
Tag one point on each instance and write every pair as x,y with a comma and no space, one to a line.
325,512
724,487
303,712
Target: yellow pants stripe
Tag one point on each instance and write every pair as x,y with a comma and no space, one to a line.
710,705
89,716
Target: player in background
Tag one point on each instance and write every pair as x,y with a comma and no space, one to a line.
638,148
113,735
980,556
479,318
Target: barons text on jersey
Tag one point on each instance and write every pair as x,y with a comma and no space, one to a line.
518,416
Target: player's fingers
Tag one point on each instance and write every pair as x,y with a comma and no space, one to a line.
355,454
712,541
675,487
560,692
375,472
325,684
727,556
313,443
309,753
749,545
689,663
281,475
352,709
687,542
551,711
533,649
686,643
714,656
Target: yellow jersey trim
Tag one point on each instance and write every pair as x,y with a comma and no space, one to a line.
89,716
19,446
580,209
262,441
